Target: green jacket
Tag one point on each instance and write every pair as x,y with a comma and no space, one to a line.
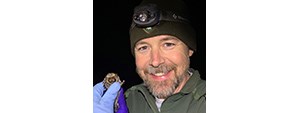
191,99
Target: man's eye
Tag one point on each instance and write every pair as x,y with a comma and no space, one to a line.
143,48
169,44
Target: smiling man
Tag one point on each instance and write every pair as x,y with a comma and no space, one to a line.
162,42
162,62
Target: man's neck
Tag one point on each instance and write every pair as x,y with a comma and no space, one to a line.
181,85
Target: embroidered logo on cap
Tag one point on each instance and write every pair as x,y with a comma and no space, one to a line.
148,30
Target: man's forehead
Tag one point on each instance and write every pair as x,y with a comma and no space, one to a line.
158,38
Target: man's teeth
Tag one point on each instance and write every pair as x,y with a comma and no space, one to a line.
159,74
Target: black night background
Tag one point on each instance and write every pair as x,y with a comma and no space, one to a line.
111,45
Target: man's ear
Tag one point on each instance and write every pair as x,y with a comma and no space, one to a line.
191,52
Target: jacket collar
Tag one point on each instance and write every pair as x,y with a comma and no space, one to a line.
192,82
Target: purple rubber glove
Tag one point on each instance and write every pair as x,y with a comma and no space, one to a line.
122,103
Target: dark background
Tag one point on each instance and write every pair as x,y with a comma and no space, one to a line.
111,45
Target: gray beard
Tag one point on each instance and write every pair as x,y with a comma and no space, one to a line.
163,89
166,88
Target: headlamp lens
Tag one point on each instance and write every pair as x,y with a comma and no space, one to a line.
143,17
146,16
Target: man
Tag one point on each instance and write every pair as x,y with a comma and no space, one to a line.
162,42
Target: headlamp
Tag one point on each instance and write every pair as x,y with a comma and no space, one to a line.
146,16
149,15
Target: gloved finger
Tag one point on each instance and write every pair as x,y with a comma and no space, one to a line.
110,95
122,103
98,90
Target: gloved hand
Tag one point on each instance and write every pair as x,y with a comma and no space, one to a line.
122,103
104,103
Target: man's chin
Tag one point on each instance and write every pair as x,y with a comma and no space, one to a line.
162,93
160,90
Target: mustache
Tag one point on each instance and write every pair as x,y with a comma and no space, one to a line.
159,69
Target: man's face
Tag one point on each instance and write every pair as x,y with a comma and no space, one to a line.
162,62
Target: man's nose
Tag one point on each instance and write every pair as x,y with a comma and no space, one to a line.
156,58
